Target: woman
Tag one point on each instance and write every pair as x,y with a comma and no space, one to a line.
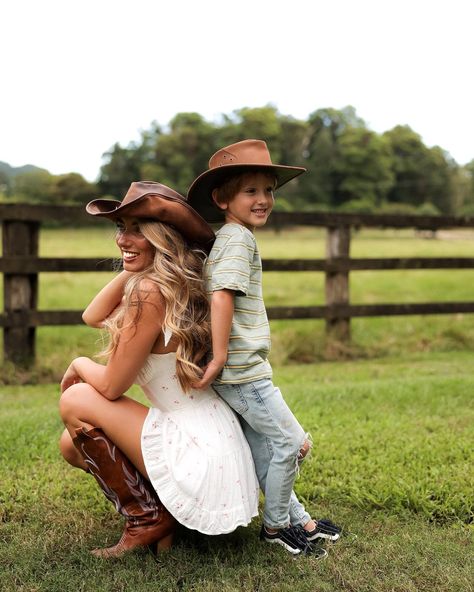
185,458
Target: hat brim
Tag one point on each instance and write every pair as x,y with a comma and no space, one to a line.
168,210
200,191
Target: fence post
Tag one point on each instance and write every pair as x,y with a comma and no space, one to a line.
337,283
20,291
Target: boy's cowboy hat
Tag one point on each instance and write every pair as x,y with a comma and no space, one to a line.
236,158
146,199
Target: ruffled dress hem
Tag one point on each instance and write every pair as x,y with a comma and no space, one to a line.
185,508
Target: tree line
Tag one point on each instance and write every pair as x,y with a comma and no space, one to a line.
350,167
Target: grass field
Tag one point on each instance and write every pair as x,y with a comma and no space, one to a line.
392,463
391,415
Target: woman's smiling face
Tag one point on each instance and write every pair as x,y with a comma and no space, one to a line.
137,252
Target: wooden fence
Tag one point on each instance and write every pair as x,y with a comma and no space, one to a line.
20,265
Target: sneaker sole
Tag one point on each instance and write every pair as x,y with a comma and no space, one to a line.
328,537
284,545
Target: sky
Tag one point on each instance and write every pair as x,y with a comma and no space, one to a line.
79,76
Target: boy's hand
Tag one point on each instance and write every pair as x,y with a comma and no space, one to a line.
211,371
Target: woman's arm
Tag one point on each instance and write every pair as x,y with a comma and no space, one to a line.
135,344
106,301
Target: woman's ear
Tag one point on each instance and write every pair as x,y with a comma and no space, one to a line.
221,206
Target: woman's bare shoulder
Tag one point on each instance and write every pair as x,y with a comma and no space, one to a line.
147,290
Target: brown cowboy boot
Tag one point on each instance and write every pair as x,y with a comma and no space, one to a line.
147,520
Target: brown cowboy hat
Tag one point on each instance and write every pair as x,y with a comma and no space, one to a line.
146,199
240,157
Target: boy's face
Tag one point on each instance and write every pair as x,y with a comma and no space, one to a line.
253,202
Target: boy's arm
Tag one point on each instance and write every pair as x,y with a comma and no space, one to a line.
222,312
106,301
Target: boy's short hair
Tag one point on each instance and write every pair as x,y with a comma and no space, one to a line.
233,183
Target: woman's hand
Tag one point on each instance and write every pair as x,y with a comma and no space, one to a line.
70,377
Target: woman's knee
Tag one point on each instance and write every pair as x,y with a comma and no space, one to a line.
67,403
74,401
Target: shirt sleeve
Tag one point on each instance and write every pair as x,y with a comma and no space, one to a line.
231,265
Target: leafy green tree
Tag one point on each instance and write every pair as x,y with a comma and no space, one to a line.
119,169
463,187
441,174
363,167
291,148
292,140
428,209
348,165
261,123
124,165
409,158
469,167
181,154
33,187
322,151
72,188
422,175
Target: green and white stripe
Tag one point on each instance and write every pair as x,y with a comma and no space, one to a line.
234,264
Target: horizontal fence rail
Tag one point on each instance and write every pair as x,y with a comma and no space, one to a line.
335,311
28,265
72,317
21,265
341,264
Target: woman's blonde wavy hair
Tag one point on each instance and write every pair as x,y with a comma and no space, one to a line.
177,272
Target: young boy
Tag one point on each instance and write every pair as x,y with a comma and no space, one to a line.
239,186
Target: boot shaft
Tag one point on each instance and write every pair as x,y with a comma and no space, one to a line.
132,495
147,520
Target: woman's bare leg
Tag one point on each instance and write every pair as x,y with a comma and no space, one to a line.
121,420
70,452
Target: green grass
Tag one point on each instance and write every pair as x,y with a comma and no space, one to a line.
392,462
392,426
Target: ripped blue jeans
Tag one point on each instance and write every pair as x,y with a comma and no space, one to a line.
275,437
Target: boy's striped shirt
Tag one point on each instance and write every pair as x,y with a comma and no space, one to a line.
234,264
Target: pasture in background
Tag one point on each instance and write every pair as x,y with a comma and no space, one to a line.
300,341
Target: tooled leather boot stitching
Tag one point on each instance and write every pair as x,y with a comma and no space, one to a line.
147,520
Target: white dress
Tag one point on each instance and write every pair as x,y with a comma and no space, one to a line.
195,453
